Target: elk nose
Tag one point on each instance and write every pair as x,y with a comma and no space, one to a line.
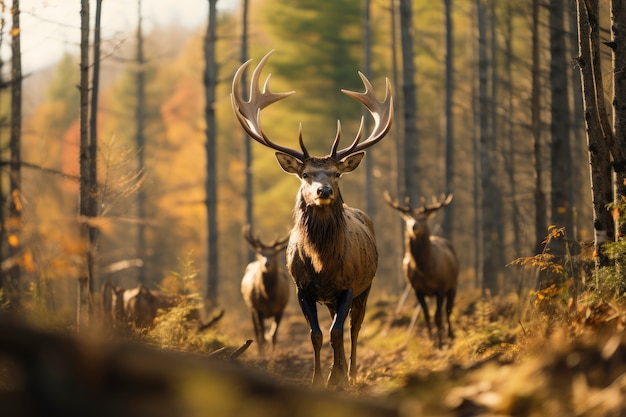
324,192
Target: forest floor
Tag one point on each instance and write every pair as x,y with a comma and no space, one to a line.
508,358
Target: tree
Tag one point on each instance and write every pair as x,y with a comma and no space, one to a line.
249,192
449,114
15,183
210,84
411,150
142,252
560,149
83,278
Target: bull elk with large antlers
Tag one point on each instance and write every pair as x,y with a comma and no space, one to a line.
265,286
332,255
430,263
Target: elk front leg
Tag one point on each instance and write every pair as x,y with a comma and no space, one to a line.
338,374
309,309
449,305
439,318
422,300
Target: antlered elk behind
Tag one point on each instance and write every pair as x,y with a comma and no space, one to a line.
430,263
332,255
265,287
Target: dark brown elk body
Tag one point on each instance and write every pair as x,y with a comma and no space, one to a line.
332,254
430,263
265,287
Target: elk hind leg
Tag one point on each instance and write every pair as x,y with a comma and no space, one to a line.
449,305
274,329
338,374
259,331
422,300
439,318
356,319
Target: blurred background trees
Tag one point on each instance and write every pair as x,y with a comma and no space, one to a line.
512,72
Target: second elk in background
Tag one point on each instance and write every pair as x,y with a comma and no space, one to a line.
265,287
430,263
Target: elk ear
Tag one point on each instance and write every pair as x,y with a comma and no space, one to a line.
288,163
350,163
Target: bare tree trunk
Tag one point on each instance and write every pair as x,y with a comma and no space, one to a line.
599,156
541,210
487,158
140,141
510,134
93,150
210,84
83,278
370,201
249,192
618,44
561,155
449,115
15,182
411,150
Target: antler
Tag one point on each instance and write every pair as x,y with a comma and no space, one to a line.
381,111
406,208
436,205
252,240
248,113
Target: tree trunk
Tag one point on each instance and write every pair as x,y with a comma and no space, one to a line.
599,156
249,191
93,151
370,201
411,150
487,162
210,84
83,278
618,44
140,141
449,116
561,170
15,183
541,210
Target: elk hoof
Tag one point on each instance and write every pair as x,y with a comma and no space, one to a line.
338,378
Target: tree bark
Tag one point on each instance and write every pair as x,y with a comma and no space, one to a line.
210,84
561,171
599,156
83,278
15,225
541,210
93,151
142,252
249,191
449,115
411,150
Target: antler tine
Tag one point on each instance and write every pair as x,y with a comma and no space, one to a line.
252,240
249,112
381,111
396,205
437,204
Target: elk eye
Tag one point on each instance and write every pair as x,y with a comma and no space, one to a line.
338,174
305,175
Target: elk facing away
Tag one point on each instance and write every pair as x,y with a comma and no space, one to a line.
265,287
332,255
430,263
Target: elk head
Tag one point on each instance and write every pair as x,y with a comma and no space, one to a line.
319,175
415,218
264,253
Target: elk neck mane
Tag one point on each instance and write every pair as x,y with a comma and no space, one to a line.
421,248
321,229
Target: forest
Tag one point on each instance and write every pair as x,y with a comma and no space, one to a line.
124,166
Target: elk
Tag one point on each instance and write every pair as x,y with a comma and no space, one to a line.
265,287
332,255
430,264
